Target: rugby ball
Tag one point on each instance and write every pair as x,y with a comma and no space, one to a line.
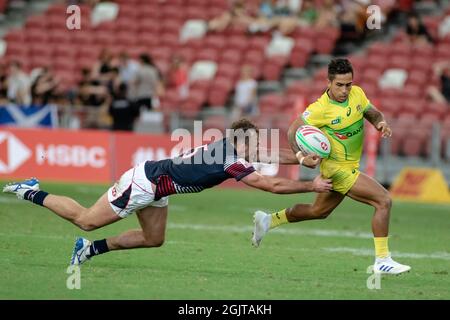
311,140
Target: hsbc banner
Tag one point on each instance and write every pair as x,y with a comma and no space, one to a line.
88,155
58,155
77,156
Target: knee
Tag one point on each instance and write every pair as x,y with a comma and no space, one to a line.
85,225
153,242
384,203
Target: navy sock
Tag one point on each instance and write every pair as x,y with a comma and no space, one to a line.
98,247
36,197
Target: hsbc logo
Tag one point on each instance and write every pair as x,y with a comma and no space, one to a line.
13,153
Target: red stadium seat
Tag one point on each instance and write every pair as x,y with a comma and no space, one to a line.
15,35
273,67
231,56
299,58
37,36
440,109
219,91
401,49
170,40
147,26
259,43
238,43
271,103
229,71
299,88
423,51
187,54
36,22
207,54
399,62
417,77
148,40
215,42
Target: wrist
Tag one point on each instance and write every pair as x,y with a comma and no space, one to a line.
300,157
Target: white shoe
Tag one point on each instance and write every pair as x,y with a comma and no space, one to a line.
389,266
20,188
80,252
261,222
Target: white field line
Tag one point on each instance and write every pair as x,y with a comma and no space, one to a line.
359,252
249,229
412,255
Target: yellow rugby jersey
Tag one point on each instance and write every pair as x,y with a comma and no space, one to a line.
342,123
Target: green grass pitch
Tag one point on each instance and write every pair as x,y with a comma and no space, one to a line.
208,254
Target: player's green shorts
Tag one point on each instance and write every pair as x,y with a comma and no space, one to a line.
343,175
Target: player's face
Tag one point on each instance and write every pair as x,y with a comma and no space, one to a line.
248,148
340,87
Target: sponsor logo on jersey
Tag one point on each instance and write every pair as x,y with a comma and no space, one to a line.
336,121
349,111
346,135
306,114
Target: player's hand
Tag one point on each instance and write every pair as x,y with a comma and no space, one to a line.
386,131
321,185
310,160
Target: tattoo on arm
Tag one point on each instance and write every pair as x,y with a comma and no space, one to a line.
373,115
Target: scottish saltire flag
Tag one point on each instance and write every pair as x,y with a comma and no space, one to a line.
29,117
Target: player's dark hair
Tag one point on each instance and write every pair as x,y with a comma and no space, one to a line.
339,66
243,124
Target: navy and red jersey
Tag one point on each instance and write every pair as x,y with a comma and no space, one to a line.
200,168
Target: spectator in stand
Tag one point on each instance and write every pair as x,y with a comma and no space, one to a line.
442,94
102,69
18,85
328,15
147,85
44,87
178,76
237,14
93,99
353,19
121,109
128,68
3,85
308,13
245,103
417,31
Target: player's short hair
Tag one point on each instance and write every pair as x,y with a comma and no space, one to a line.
243,124
339,66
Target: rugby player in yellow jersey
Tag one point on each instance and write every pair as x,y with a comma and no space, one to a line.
340,114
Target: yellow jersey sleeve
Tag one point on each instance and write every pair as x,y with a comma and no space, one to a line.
314,115
365,103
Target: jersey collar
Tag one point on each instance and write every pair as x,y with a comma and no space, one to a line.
341,104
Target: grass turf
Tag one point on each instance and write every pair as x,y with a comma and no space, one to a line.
208,255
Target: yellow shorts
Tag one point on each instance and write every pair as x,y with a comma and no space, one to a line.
343,175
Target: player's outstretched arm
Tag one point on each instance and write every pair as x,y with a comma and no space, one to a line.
286,186
376,118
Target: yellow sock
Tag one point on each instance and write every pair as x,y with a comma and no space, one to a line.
381,247
278,218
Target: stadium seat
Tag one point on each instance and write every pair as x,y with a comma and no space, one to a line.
231,56
271,103
273,67
219,91
440,109
238,43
